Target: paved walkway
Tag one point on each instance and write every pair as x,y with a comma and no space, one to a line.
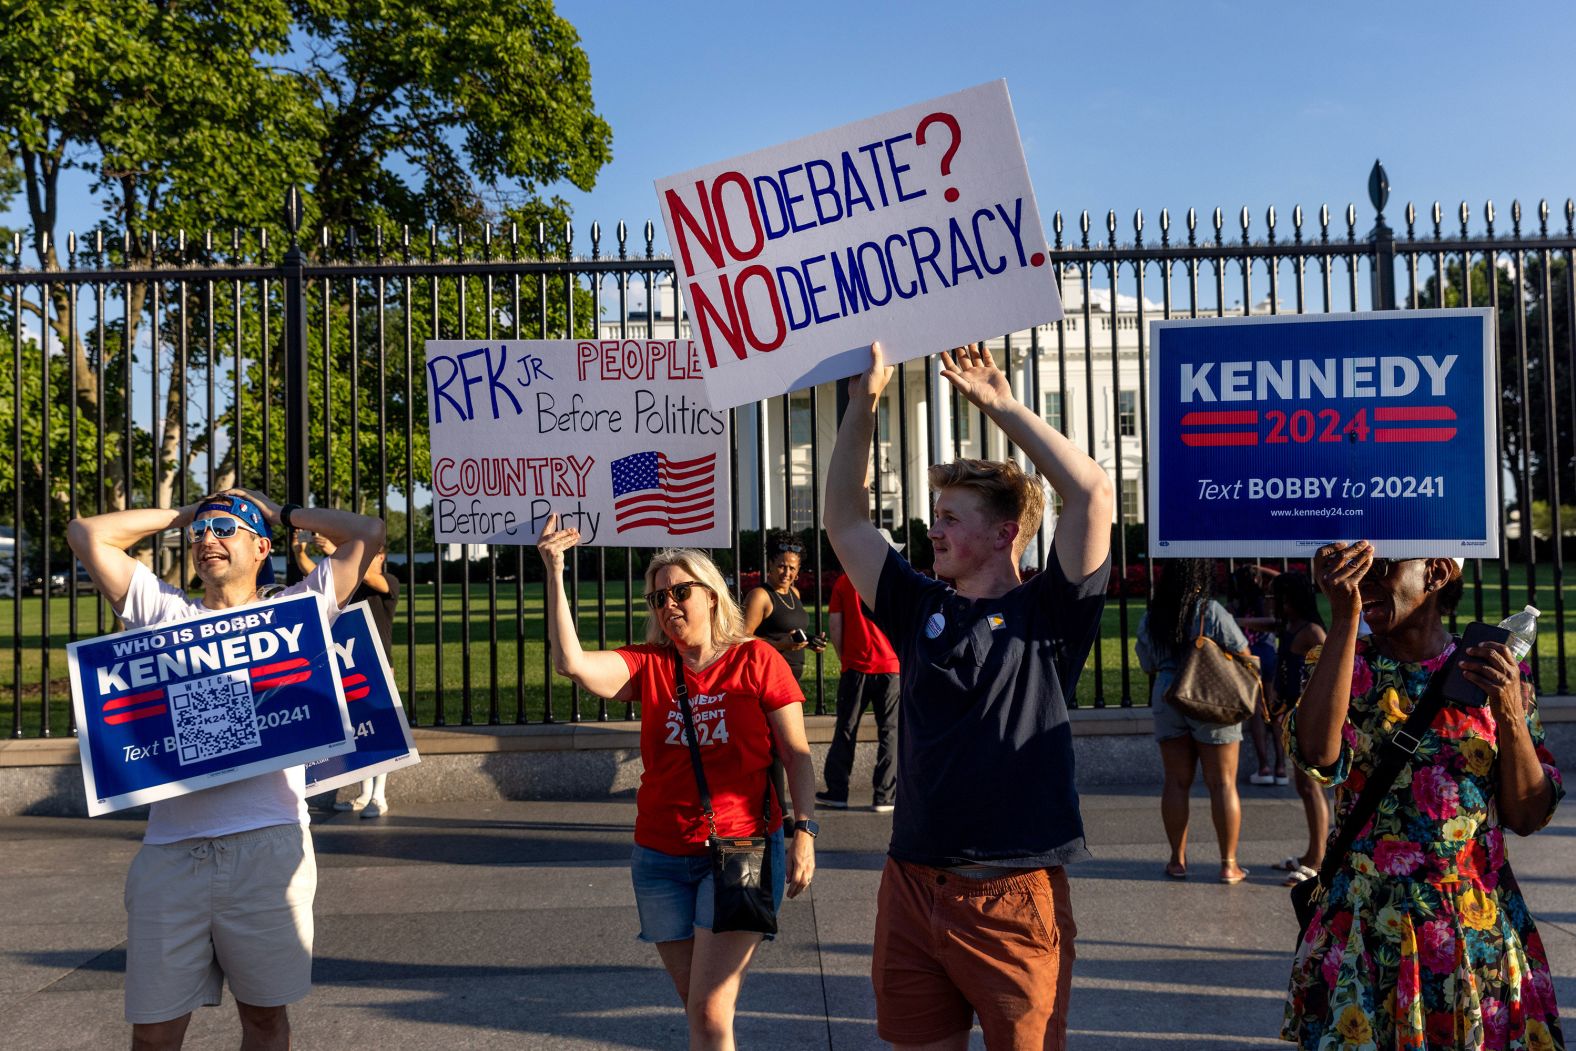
511,925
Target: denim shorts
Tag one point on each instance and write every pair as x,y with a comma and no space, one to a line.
1171,724
674,892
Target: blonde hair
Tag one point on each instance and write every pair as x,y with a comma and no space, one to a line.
727,620
1007,493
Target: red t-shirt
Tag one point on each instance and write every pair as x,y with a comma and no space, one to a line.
729,698
865,649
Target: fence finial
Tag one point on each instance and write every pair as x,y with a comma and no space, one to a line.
293,212
1543,216
1378,188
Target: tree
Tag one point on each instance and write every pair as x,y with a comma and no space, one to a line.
390,115
1536,305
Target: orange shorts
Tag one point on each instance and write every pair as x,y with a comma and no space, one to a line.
949,947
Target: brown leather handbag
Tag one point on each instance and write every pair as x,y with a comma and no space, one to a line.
1215,685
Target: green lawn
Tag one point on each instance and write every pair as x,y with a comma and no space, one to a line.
494,672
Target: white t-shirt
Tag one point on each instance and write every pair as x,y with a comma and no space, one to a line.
277,798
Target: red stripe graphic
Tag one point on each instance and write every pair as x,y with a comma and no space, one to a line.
283,680
278,666
133,698
1414,434
1223,438
357,695
140,713
354,680
1396,413
1212,419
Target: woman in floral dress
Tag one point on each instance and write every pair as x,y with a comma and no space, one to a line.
1423,939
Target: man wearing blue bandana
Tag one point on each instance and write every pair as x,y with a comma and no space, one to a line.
222,888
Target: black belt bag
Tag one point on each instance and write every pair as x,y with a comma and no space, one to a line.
741,866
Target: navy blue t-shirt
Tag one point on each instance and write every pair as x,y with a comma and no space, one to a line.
985,759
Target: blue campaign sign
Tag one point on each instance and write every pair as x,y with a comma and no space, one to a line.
383,740
1273,435
195,703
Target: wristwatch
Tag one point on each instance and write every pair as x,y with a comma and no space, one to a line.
807,826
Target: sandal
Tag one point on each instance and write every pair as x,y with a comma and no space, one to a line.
1231,872
1176,871
1291,864
1298,875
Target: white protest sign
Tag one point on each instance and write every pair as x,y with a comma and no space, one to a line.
917,228
614,436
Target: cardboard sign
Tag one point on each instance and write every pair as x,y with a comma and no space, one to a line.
195,703
917,228
382,734
1273,435
614,436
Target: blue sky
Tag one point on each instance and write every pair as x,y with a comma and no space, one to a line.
1123,105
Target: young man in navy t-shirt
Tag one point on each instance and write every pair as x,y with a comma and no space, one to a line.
973,915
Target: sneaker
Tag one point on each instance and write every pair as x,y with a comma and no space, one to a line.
1261,779
345,806
376,808
822,799
882,808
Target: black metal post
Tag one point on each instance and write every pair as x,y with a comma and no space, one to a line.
1382,240
293,286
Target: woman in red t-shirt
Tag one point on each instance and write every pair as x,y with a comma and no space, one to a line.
744,699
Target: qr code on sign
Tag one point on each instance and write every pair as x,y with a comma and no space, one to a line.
214,716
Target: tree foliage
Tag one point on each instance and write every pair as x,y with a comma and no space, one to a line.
389,116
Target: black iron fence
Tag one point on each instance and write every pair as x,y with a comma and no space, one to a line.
148,370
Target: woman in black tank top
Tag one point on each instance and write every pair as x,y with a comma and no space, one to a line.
775,611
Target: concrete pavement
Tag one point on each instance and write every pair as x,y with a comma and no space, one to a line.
512,925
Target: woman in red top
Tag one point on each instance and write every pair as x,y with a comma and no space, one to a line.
744,699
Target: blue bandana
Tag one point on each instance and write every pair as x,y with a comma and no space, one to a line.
244,510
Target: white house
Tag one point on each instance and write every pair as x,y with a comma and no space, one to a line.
1088,387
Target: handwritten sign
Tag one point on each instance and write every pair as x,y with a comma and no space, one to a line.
1273,435
382,734
917,228
614,436
169,710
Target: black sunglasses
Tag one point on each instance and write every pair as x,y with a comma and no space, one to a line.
1380,568
783,549
680,592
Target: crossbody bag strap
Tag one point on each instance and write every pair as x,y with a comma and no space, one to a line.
1394,756
681,692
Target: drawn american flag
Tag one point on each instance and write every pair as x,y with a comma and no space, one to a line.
650,489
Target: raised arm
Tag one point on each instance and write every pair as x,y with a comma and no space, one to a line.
1321,711
356,538
1083,530
846,515
298,555
100,543
603,672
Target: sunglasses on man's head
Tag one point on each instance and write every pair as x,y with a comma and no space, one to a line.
680,592
783,549
223,528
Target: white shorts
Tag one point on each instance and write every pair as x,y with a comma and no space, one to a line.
201,911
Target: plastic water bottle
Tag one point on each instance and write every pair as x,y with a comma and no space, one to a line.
1523,628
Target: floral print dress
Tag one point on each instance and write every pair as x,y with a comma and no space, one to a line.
1423,940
